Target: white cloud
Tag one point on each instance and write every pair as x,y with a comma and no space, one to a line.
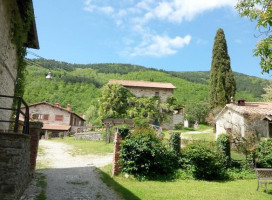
135,16
157,46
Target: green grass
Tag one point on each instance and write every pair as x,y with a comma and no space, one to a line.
131,189
85,147
41,182
200,136
237,156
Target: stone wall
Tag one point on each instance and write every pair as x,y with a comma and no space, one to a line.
150,92
15,171
8,61
172,121
93,136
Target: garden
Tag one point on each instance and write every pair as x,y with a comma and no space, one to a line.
155,168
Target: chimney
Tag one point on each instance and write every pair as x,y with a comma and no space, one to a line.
241,102
58,105
80,115
69,107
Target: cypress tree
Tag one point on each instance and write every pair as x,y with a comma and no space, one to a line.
222,82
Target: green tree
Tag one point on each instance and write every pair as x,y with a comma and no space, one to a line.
260,10
268,93
197,112
114,101
222,82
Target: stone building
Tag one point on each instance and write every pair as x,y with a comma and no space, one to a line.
17,151
55,118
245,117
147,88
151,89
8,50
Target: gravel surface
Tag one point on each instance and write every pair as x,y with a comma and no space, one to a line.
72,177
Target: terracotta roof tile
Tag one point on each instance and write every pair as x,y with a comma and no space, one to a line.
55,127
263,108
147,84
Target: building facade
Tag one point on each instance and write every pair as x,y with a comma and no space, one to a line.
55,118
8,52
147,88
245,117
151,89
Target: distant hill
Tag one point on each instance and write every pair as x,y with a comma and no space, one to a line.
80,85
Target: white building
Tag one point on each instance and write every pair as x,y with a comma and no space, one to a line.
245,117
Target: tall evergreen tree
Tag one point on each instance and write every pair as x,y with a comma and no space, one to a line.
222,82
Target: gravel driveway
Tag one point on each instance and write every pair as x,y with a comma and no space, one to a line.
71,178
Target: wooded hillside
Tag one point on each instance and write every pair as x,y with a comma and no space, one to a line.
80,85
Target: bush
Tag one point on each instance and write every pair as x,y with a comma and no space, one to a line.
207,160
123,130
175,142
262,154
179,126
223,142
143,155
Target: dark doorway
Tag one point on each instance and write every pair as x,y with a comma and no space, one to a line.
270,129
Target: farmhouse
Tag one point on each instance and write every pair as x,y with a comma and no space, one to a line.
244,117
147,88
151,89
55,118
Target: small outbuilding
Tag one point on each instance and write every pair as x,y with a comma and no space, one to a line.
245,117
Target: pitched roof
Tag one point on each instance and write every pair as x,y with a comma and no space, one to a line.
44,102
147,84
262,108
56,127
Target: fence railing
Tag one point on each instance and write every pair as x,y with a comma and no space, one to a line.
14,122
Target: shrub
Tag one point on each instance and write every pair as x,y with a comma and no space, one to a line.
175,142
143,155
123,130
207,160
262,154
179,126
223,142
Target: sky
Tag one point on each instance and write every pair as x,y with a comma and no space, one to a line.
173,35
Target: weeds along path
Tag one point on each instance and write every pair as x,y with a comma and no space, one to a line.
73,177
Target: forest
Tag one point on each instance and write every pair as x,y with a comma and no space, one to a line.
80,85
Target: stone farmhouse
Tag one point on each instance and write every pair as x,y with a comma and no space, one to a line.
8,54
245,117
55,118
17,151
151,89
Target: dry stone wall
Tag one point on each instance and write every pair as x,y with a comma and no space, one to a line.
93,136
15,171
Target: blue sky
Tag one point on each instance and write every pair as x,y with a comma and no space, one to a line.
174,35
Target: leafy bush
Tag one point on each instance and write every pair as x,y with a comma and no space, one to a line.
175,142
207,160
262,154
123,130
179,126
143,155
223,142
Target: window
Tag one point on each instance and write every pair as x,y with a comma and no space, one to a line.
45,117
157,94
35,116
40,116
58,117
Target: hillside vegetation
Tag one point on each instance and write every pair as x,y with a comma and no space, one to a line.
80,85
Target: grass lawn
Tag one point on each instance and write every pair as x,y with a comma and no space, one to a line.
131,189
200,136
84,147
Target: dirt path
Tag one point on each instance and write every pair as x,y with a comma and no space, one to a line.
73,178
